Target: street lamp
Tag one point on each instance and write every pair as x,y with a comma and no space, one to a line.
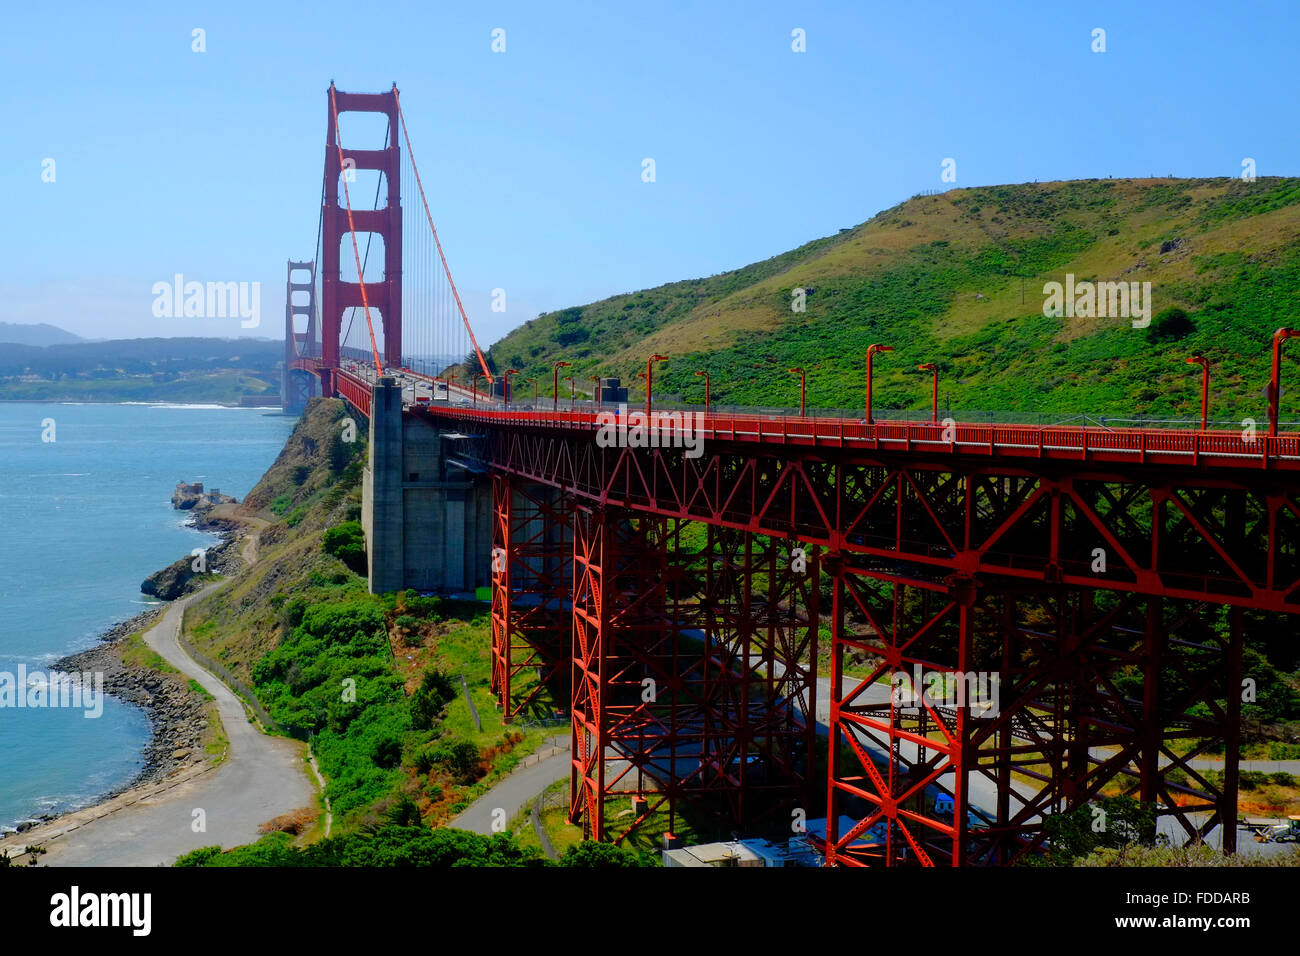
555,384
1275,385
595,391
505,394
871,351
934,402
1204,363
573,394
649,365
706,390
803,382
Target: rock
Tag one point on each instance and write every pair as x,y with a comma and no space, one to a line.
169,583
193,498
180,754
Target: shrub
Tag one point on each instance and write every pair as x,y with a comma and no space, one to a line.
281,504
436,691
1170,325
347,542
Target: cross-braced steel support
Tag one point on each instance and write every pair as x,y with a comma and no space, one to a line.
532,560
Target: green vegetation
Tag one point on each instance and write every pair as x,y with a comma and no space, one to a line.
1111,823
136,653
1195,854
392,734
957,279
407,845
347,542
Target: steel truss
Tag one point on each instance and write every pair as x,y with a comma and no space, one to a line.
1093,690
694,656
1069,584
532,572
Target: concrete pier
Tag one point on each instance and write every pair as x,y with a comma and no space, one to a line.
428,520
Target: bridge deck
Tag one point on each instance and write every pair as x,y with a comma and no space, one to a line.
1127,446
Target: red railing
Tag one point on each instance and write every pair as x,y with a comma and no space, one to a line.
353,389
1129,445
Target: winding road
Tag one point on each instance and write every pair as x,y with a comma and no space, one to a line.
261,778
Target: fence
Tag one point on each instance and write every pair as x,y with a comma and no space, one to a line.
236,685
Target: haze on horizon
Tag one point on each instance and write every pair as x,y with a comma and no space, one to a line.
208,164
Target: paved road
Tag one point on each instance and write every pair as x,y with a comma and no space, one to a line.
513,794
261,778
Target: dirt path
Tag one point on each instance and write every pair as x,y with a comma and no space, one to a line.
261,778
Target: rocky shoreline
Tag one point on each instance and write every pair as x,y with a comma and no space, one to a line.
176,713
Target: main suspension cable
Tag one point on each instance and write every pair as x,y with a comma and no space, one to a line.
451,282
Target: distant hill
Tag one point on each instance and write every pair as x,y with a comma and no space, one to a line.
940,278
142,370
38,334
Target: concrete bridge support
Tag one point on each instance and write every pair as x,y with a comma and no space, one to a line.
427,514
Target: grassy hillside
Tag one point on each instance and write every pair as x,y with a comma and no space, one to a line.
298,626
957,279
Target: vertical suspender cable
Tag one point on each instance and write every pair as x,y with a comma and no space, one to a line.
451,282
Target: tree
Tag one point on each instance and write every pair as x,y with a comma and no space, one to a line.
1170,325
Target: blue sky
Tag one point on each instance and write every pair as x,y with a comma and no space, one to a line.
209,164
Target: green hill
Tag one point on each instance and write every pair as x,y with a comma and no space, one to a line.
958,279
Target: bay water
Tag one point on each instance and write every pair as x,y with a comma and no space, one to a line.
84,518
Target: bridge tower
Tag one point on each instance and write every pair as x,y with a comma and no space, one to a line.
337,295
298,384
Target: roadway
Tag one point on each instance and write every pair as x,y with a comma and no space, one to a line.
261,778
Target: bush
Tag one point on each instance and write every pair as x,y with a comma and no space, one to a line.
604,856
382,846
436,691
1170,325
281,504
460,758
347,542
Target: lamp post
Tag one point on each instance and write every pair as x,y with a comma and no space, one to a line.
934,401
649,366
573,394
595,391
871,351
1204,363
555,384
1275,384
803,382
505,394
706,390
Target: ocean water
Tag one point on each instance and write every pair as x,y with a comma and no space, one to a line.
83,520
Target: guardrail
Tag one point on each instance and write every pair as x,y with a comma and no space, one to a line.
1129,445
